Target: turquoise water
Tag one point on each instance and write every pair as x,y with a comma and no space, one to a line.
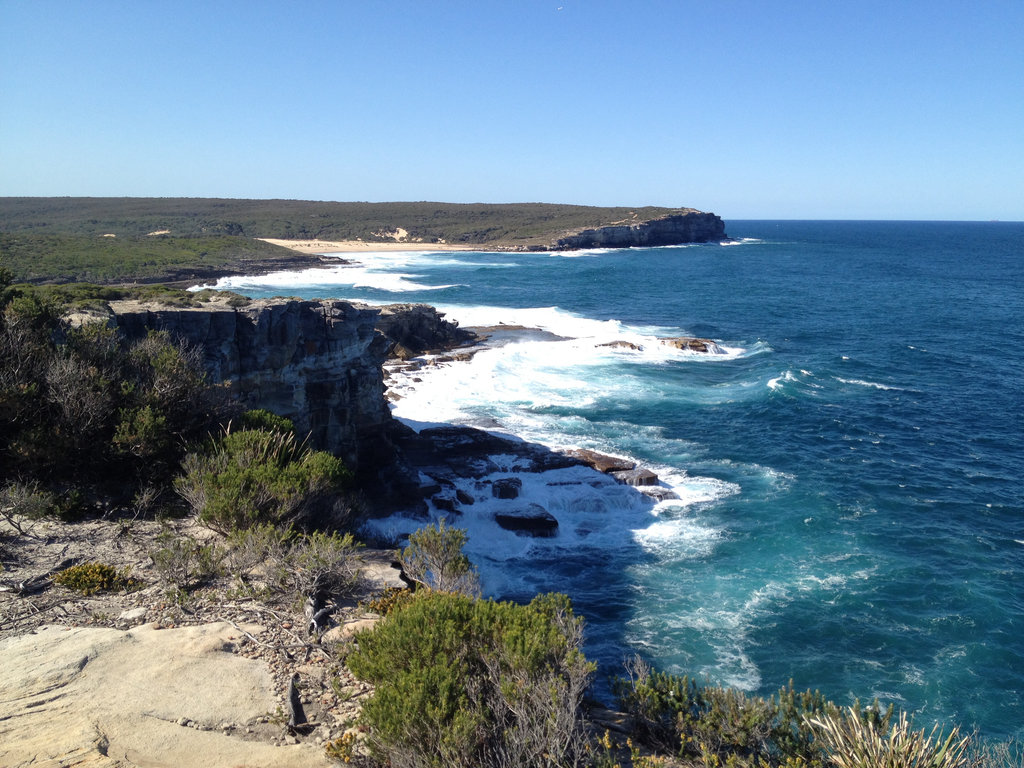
851,511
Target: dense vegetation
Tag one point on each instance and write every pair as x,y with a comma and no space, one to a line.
462,681
76,257
472,223
250,477
88,415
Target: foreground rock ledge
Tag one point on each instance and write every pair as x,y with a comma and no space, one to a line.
144,697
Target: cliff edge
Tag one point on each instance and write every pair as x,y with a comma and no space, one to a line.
674,229
318,363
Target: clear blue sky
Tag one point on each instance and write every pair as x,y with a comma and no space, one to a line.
818,109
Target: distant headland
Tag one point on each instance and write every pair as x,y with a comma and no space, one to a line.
178,239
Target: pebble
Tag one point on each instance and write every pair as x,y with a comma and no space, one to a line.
133,615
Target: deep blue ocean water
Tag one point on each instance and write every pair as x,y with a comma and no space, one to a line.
850,468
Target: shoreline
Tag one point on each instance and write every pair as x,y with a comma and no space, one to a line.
362,246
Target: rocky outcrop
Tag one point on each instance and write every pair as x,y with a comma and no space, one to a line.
676,229
413,329
601,461
693,344
316,362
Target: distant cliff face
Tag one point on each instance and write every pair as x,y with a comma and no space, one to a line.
316,362
695,227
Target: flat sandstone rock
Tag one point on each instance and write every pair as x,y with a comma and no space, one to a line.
145,697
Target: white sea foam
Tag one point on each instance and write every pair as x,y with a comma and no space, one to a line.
776,383
380,271
862,383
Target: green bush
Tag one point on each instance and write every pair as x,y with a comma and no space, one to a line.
298,565
265,420
434,558
184,564
251,477
83,408
23,504
722,725
89,578
388,600
461,681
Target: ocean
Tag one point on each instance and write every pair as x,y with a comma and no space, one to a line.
849,466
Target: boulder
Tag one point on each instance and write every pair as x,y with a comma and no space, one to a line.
342,633
658,492
414,329
636,477
532,521
444,504
506,488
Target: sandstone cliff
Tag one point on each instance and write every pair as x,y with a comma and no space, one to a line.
316,362
677,229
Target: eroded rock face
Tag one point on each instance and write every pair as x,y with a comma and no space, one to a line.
316,362
677,229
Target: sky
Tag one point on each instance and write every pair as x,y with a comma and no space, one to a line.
775,110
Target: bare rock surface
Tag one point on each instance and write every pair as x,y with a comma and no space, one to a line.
132,678
143,697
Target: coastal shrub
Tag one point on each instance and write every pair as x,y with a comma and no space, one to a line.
259,418
251,477
263,548
850,741
324,564
388,600
23,504
434,558
83,408
461,681
184,564
293,564
718,724
89,578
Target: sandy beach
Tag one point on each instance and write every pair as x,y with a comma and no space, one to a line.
356,246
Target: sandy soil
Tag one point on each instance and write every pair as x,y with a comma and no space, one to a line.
356,246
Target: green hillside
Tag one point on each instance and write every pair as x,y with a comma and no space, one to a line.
34,257
110,240
514,224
